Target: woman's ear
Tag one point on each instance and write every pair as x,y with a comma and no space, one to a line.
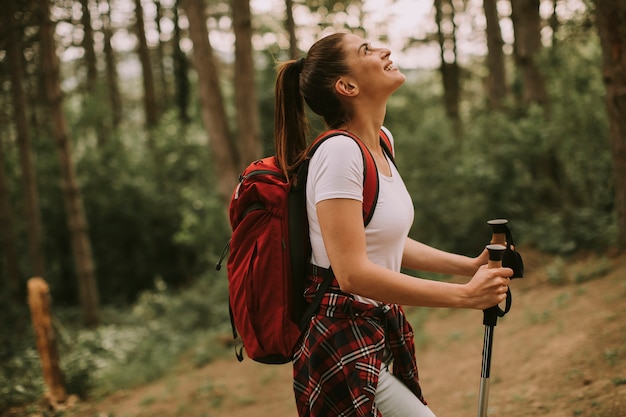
346,87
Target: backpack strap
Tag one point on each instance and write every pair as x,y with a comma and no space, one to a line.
387,146
370,182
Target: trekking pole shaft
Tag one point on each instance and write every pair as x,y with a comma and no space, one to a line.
490,318
485,372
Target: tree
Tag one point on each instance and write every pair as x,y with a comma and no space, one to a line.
611,25
527,32
7,237
290,26
88,46
149,96
496,81
29,183
75,212
111,71
446,35
211,98
161,52
248,131
181,72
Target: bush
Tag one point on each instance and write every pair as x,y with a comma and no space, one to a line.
163,329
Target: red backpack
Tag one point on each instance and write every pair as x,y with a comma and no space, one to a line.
270,252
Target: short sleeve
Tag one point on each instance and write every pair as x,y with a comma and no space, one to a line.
336,170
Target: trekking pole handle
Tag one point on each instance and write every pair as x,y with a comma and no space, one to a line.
496,252
490,315
498,235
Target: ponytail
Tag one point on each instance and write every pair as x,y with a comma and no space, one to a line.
311,80
290,122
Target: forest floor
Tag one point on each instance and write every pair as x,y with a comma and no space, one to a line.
560,352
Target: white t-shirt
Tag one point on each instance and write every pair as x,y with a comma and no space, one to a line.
336,171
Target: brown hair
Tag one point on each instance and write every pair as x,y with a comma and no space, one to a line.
311,80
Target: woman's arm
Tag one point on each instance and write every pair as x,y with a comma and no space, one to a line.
341,223
421,257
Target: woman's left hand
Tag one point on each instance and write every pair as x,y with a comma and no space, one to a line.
480,260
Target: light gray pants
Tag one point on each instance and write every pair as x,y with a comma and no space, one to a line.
394,399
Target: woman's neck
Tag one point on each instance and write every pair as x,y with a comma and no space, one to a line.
366,127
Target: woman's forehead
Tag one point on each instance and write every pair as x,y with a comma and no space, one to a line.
354,39
352,43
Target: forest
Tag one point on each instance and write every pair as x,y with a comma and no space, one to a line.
124,125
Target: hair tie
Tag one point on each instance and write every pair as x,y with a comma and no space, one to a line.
300,65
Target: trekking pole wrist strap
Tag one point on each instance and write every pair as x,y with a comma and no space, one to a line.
491,314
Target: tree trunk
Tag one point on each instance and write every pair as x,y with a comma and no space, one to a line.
611,23
554,23
496,80
181,72
88,46
39,303
161,53
29,182
527,32
449,66
115,99
77,222
149,96
248,129
290,26
7,237
213,111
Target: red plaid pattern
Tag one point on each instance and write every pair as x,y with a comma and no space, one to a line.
336,366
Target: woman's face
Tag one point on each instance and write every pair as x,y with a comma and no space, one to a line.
371,67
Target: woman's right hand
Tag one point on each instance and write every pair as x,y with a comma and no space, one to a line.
488,287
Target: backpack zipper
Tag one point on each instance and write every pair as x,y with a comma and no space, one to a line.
242,178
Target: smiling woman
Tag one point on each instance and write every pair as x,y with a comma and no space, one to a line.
357,354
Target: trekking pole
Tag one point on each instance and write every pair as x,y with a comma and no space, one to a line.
490,319
501,253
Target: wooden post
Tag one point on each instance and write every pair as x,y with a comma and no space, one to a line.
39,302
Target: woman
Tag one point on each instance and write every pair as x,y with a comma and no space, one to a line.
357,357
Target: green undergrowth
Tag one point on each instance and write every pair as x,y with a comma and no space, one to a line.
162,331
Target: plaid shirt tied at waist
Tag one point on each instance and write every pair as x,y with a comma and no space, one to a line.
337,363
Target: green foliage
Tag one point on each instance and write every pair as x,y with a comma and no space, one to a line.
163,329
547,169
20,366
152,209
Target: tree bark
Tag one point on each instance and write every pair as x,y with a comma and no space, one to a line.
527,32
248,129
77,222
29,182
449,66
88,46
39,303
611,25
496,80
213,111
115,99
181,72
7,237
290,26
161,53
149,96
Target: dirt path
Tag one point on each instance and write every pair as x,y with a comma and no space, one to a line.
561,352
